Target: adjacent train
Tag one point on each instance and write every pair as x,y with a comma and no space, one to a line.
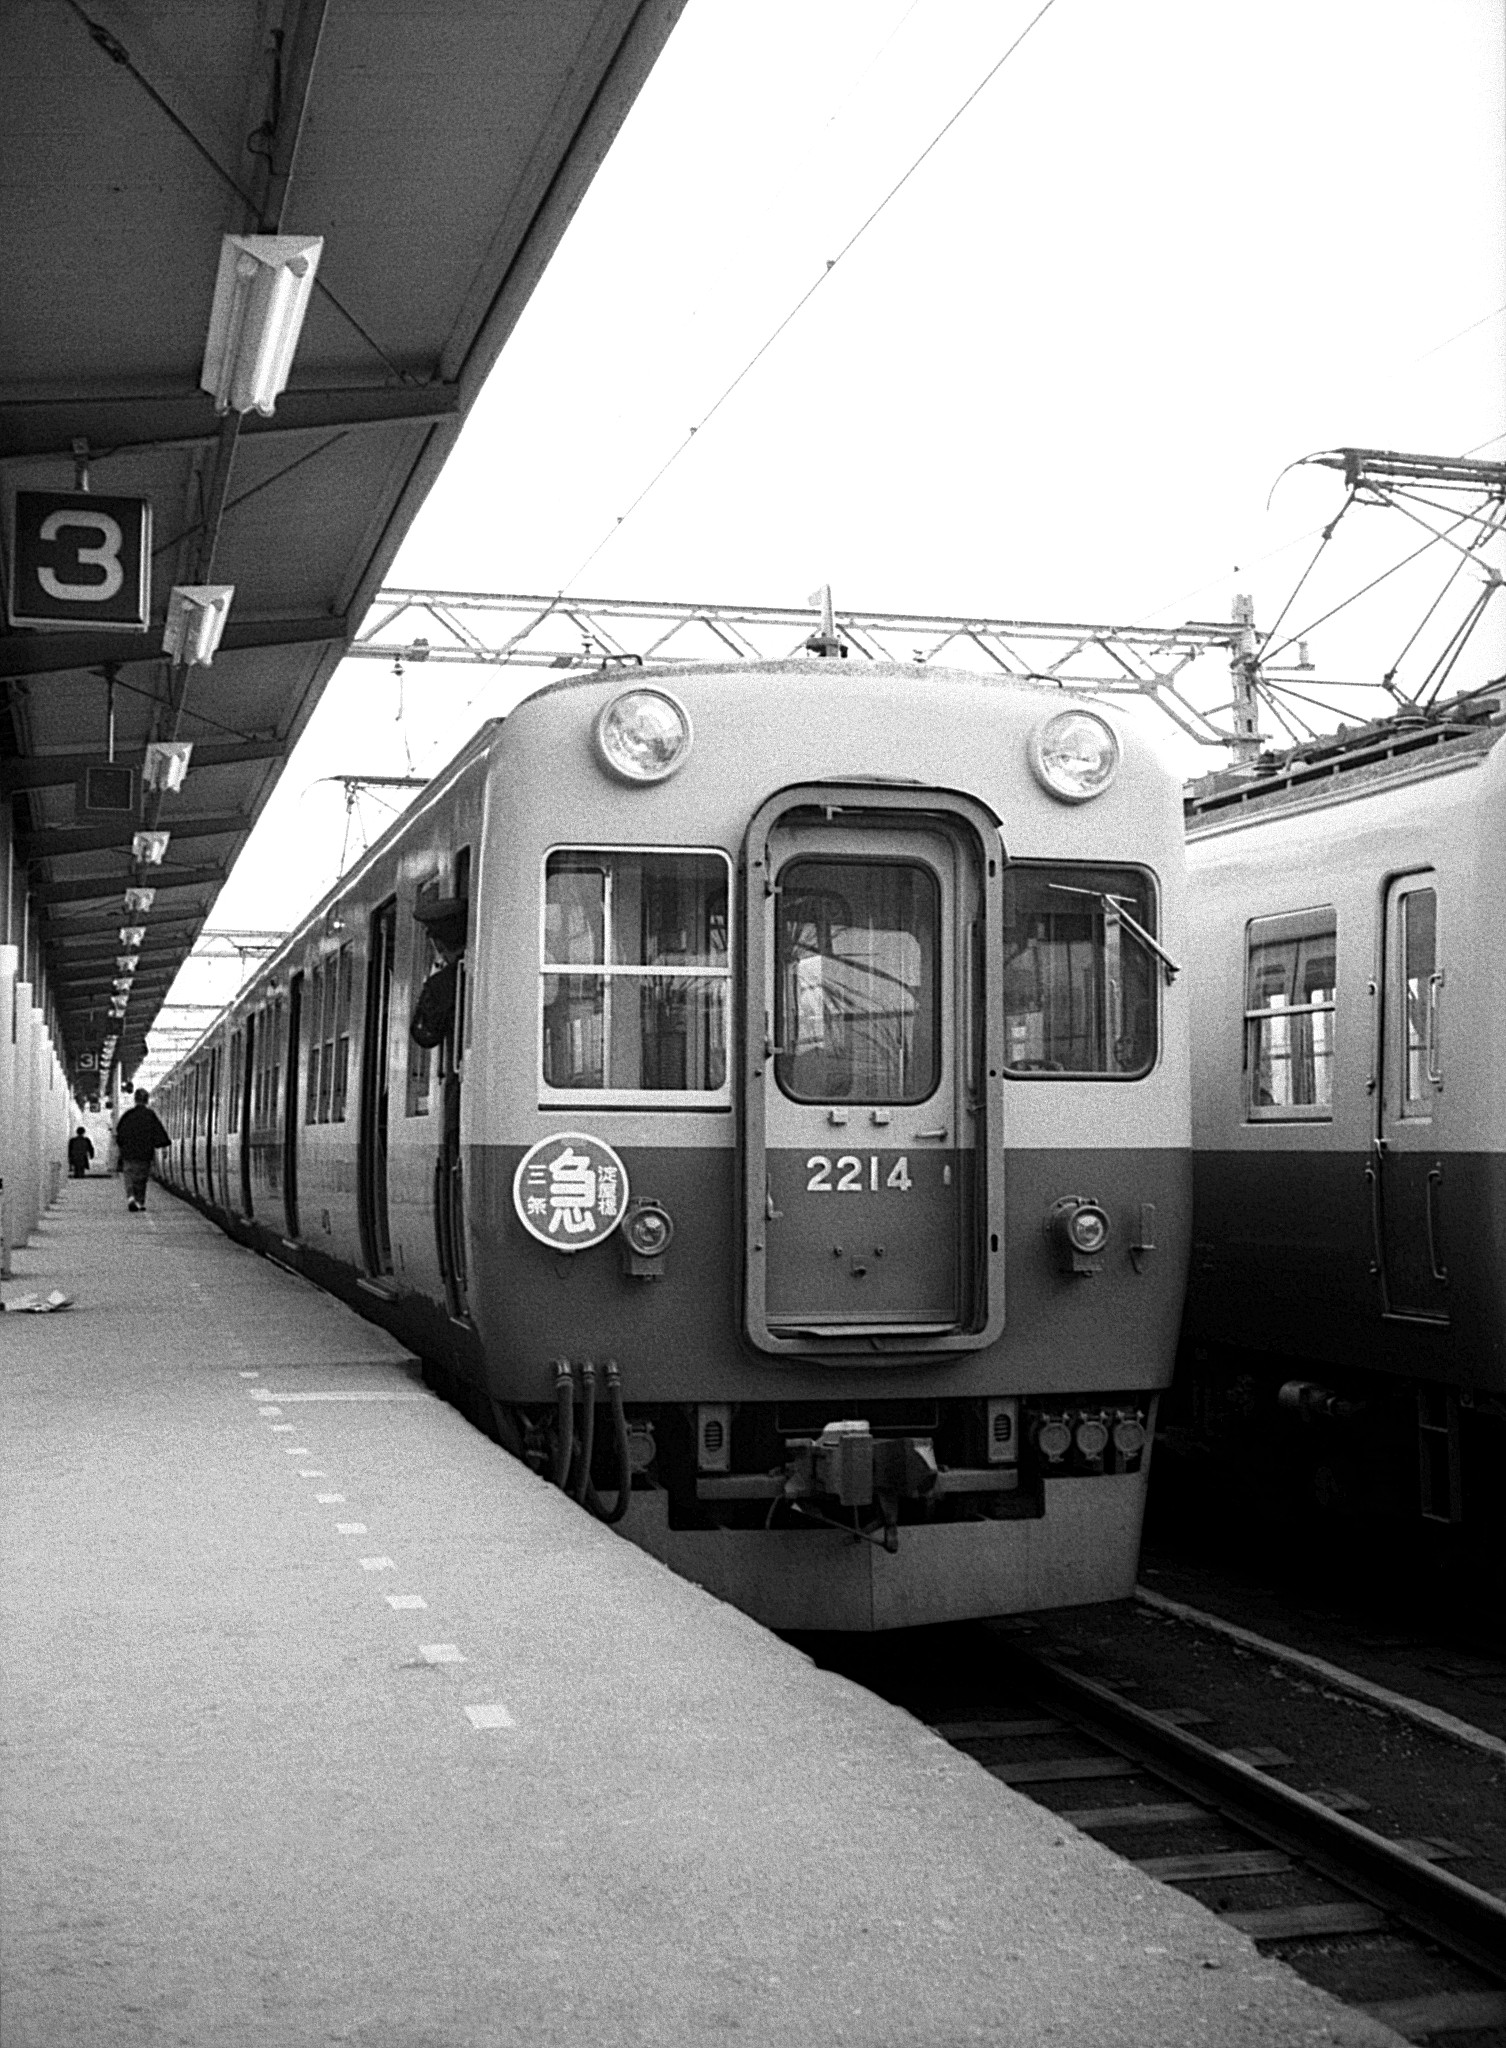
1346,1318
760,1095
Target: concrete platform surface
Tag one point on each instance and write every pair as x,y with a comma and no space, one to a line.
324,1721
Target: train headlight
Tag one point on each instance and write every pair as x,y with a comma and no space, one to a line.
643,735
1075,755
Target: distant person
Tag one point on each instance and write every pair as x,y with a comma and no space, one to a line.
80,1152
139,1135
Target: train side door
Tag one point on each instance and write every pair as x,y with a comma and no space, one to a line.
376,1229
866,1159
248,1065
209,1108
1409,1155
290,1107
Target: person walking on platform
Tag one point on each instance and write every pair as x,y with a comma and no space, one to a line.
139,1135
80,1152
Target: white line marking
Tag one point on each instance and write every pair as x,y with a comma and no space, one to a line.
350,1528
440,1653
262,1393
251,1375
406,1600
490,1717
279,1427
297,1451
377,1564
313,1475
369,1394
330,1499
271,1411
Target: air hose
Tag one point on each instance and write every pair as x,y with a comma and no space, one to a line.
582,1486
564,1420
624,1460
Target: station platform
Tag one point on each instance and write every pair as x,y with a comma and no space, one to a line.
325,1721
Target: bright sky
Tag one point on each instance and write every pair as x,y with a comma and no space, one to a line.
1169,248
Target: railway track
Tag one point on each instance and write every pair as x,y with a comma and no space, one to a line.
1192,1814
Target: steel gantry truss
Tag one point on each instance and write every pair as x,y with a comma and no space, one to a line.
1163,664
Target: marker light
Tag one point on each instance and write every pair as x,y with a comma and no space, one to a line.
643,735
648,1229
1088,1228
1091,1437
1075,755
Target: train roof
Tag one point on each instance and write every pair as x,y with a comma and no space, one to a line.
1352,762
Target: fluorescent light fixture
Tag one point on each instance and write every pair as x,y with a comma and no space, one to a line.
260,297
121,984
132,934
196,615
139,901
167,761
127,962
149,848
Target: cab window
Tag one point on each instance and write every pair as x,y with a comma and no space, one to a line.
1080,985
635,980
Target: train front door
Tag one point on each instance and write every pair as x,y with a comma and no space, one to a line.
864,1109
1409,1187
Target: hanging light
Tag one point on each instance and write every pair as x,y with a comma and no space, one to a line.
196,615
133,935
127,962
149,848
261,294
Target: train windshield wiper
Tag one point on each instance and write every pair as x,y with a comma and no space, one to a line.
1115,912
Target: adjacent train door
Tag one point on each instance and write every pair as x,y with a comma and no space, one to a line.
209,1107
290,1104
376,1231
1409,1154
867,1170
248,1208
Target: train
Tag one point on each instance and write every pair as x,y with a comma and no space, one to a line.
1345,1336
760,1096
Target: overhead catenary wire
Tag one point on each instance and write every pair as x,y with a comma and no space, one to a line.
806,296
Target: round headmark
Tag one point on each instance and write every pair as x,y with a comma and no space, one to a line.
570,1191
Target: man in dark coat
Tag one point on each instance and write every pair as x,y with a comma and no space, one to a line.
138,1135
80,1152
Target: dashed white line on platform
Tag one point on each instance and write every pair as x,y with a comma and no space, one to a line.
279,1427
350,1528
251,1376
406,1600
490,1717
271,1411
297,1451
440,1653
331,1499
377,1564
313,1475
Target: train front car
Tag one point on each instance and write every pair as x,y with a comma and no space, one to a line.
826,1134
1346,1316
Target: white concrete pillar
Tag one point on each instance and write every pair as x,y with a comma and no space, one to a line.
9,1123
25,1218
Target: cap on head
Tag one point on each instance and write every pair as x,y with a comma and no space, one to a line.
141,1097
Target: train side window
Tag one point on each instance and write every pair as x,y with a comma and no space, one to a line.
641,1007
1081,991
1291,990
425,959
233,1107
341,1068
316,1043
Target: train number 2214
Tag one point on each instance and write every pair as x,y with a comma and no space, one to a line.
851,1178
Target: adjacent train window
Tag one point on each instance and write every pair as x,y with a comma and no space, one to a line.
425,958
635,977
1290,991
1419,1036
1080,985
338,1071
857,981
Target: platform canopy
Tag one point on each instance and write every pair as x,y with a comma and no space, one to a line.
439,148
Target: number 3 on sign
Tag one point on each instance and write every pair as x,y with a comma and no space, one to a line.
850,1175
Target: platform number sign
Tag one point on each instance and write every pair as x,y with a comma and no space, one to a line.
570,1191
80,559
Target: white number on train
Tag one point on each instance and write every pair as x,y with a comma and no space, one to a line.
850,1168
